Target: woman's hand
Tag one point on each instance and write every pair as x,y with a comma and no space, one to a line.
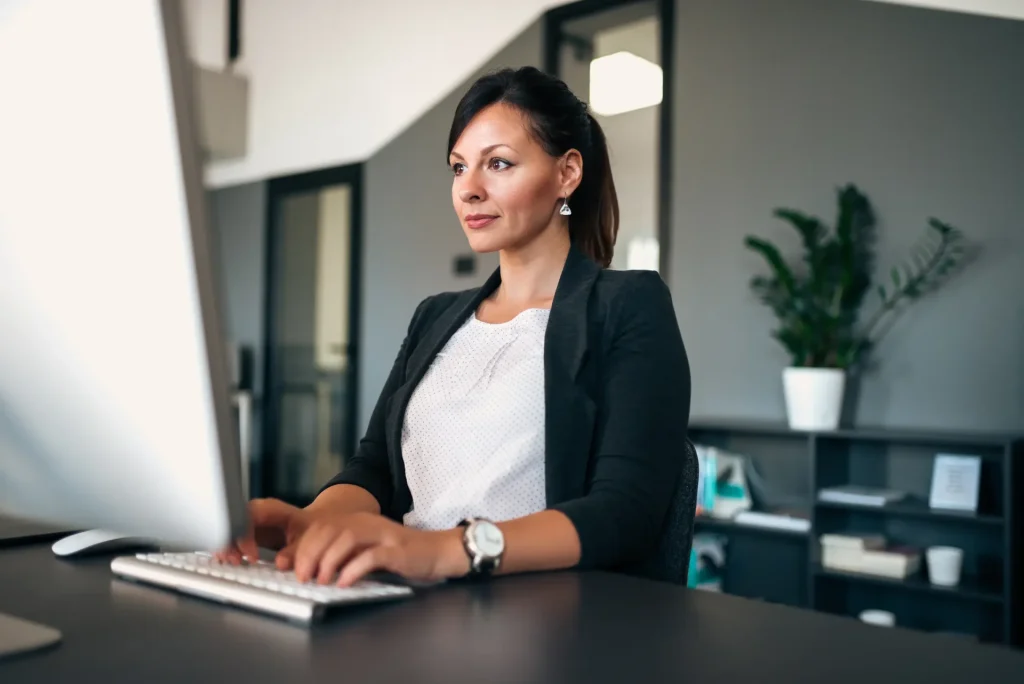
273,524
345,549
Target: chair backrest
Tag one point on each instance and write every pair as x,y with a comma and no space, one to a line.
671,562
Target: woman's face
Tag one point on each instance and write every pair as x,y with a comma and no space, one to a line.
506,188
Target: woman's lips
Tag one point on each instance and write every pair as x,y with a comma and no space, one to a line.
477,221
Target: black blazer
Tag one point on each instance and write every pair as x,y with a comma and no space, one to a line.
617,392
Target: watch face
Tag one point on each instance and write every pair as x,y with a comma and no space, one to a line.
488,538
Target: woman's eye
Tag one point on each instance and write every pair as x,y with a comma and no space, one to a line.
499,164
458,168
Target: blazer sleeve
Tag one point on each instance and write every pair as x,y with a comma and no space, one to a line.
370,467
642,423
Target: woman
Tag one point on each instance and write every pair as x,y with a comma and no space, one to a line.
536,423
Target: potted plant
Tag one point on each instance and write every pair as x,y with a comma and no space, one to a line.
818,301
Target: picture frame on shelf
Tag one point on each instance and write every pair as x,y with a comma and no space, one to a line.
956,479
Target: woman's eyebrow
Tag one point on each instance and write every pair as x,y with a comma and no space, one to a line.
486,150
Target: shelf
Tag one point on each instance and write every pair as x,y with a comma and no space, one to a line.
707,523
869,433
913,509
937,437
754,428
968,589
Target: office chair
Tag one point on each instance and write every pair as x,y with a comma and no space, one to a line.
671,562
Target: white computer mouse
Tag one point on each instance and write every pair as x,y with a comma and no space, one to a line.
96,541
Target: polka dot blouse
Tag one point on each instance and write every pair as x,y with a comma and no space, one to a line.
473,437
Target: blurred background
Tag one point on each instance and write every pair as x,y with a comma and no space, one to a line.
325,126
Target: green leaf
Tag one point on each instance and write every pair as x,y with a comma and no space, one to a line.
775,261
810,228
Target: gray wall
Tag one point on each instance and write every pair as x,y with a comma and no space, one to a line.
780,101
411,233
239,225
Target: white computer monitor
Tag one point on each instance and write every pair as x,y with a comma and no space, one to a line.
115,410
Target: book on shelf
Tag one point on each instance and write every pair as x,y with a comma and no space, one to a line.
869,554
794,521
722,489
860,496
898,562
892,563
707,562
852,540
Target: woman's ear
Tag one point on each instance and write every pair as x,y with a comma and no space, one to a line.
571,171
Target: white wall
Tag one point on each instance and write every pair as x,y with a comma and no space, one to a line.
332,81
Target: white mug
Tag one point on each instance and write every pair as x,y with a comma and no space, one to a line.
882,618
944,565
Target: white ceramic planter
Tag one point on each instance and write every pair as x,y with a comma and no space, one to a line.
814,397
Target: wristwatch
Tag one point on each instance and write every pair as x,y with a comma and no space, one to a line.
484,544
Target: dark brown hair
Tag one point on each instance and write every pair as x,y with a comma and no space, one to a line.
559,122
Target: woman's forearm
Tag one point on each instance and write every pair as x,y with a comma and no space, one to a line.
542,541
343,499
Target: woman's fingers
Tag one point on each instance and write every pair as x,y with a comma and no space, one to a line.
285,559
337,554
247,548
232,554
387,558
310,549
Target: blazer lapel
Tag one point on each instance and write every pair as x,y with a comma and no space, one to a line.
569,412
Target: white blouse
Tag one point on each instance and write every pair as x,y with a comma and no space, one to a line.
473,436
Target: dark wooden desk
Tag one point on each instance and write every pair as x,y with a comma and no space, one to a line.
563,627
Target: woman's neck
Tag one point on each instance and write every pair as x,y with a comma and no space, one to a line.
531,274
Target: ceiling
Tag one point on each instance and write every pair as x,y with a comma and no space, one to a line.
1008,9
332,81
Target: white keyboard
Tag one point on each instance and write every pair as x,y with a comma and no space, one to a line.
257,586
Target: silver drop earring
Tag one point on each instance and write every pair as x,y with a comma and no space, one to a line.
565,210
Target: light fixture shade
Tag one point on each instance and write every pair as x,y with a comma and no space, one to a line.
622,82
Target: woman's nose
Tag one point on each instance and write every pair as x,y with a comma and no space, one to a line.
470,190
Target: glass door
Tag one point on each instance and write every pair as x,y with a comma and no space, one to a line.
311,355
611,57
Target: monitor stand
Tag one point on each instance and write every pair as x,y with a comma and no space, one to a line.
19,636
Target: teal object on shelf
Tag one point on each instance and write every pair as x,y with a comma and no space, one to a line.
692,573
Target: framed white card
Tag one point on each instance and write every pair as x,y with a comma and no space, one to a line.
955,482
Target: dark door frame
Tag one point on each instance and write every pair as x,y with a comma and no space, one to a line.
554,20
277,190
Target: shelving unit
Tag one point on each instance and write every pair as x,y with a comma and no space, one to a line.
785,566
710,524
969,588
915,509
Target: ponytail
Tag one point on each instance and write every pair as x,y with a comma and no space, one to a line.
594,223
